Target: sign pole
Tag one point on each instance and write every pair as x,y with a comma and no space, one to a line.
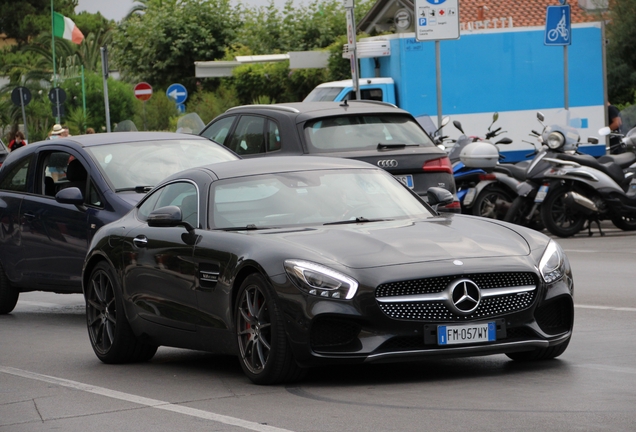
438,79
105,79
566,79
351,35
24,119
57,118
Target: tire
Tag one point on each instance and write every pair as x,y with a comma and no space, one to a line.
8,294
518,209
264,351
540,353
624,222
557,217
492,202
110,334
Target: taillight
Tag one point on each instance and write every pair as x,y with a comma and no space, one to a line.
483,177
438,165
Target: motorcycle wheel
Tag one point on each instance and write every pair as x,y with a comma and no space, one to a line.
624,222
518,209
492,202
558,218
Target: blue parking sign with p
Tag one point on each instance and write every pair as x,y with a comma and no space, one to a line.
422,21
558,29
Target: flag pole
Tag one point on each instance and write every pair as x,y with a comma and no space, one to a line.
57,119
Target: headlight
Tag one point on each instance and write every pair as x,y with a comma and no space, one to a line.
555,140
552,264
321,281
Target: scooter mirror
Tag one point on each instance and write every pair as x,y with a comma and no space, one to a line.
445,121
504,141
540,116
604,131
458,125
495,117
592,140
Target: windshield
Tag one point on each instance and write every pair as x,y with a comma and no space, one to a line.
145,163
321,94
363,132
311,197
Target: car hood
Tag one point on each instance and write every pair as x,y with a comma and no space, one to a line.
405,242
131,198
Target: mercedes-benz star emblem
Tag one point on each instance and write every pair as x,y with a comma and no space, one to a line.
464,296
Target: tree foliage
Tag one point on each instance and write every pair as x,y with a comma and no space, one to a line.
621,56
23,19
161,45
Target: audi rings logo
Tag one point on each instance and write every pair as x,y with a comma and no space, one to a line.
464,296
387,163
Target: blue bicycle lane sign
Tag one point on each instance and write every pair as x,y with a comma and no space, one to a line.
558,27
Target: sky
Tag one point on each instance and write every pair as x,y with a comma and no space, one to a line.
117,9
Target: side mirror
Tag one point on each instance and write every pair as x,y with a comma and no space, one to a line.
439,196
592,140
458,125
540,116
169,216
70,195
445,121
604,131
504,141
495,117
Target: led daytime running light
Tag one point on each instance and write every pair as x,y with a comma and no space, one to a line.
551,264
321,281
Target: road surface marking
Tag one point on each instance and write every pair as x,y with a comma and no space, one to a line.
152,403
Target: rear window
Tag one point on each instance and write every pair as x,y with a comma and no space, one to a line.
363,132
320,94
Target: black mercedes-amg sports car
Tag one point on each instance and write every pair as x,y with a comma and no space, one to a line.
295,262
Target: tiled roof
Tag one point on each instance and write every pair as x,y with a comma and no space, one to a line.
524,13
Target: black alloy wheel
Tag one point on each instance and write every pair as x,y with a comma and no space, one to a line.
560,219
492,202
540,353
264,352
519,210
110,334
8,294
626,223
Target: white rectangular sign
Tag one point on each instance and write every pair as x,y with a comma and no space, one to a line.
436,19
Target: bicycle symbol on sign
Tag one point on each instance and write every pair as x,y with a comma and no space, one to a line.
560,30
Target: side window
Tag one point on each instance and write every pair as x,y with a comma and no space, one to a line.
94,198
16,180
366,94
248,136
181,194
218,130
273,136
61,170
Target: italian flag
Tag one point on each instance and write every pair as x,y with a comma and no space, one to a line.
65,28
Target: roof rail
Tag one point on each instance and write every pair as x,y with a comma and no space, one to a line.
373,102
268,106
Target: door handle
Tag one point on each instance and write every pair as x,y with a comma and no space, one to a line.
29,216
140,241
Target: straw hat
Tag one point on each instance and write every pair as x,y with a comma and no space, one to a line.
57,129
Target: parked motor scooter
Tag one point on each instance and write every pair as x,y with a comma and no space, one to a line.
555,140
474,161
580,189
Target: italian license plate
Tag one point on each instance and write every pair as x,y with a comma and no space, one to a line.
406,179
466,333
543,191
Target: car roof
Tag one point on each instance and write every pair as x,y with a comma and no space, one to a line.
90,140
309,110
279,164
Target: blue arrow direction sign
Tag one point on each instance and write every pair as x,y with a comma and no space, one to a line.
177,92
558,29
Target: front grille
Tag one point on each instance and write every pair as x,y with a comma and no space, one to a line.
438,311
556,316
329,334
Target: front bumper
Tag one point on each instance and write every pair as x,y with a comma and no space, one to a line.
358,331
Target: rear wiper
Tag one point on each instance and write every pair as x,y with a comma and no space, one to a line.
383,146
138,189
249,227
356,220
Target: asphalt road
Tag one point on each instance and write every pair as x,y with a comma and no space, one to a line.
51,380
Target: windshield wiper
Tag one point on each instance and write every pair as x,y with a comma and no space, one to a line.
356,220
138,189
249,227
383,146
